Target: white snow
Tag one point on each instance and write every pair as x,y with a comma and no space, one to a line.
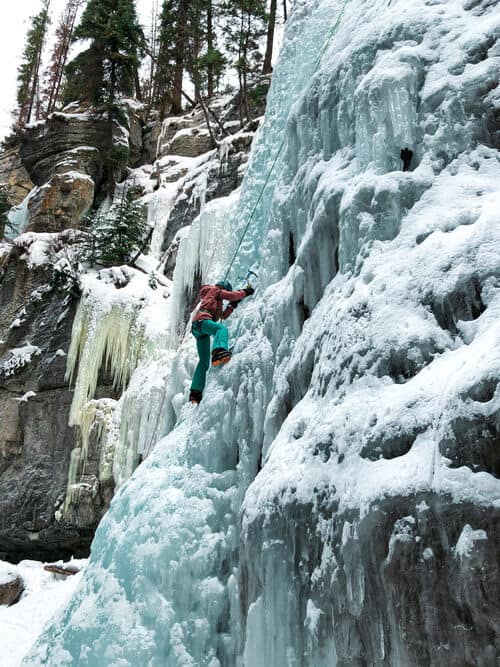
467,541
25,397
7,573
22,623
18,358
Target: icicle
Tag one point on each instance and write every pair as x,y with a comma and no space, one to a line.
200,190
224,148
96,423
203,252
18,216
159,209
100,337
144,413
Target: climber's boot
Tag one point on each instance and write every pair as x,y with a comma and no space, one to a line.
195,396
220,356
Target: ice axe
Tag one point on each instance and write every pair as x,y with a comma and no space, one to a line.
248,276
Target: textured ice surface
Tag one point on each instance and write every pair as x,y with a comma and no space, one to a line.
358,423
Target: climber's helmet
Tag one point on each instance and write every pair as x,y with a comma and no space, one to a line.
225,284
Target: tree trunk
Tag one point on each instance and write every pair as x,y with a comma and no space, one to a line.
67,34
210,45
246,40
138,91
34,87
180,53
177,91
153,55
111,104
268,58
195,54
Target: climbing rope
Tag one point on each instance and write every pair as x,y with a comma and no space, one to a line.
261,193
282,144
250,219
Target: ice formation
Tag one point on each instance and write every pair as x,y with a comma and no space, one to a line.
335,498
116,332
19,216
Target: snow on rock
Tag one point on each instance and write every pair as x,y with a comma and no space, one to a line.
41,248
311,511
18,358
11,584
467,541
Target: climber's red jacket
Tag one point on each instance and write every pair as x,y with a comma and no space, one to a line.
211,307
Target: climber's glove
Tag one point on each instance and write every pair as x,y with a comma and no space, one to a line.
249,290
234,304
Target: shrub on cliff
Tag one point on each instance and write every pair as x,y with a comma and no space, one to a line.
115,235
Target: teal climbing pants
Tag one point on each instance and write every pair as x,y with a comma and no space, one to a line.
202,330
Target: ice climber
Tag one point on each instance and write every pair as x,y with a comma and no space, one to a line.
206,323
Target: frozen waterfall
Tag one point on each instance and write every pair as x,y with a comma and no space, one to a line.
335,498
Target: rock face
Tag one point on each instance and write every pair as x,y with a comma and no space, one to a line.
69,142
190,143
35,439
222,175
13,172
61,203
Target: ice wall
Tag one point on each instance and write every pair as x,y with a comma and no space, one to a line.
358,423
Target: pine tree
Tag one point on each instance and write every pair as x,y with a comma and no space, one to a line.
63,37
172,55
116,235
271,24
186,43
152,51
28,79
213,56
108,67
206,63
244,26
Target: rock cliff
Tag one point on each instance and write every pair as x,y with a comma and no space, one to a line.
52,499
